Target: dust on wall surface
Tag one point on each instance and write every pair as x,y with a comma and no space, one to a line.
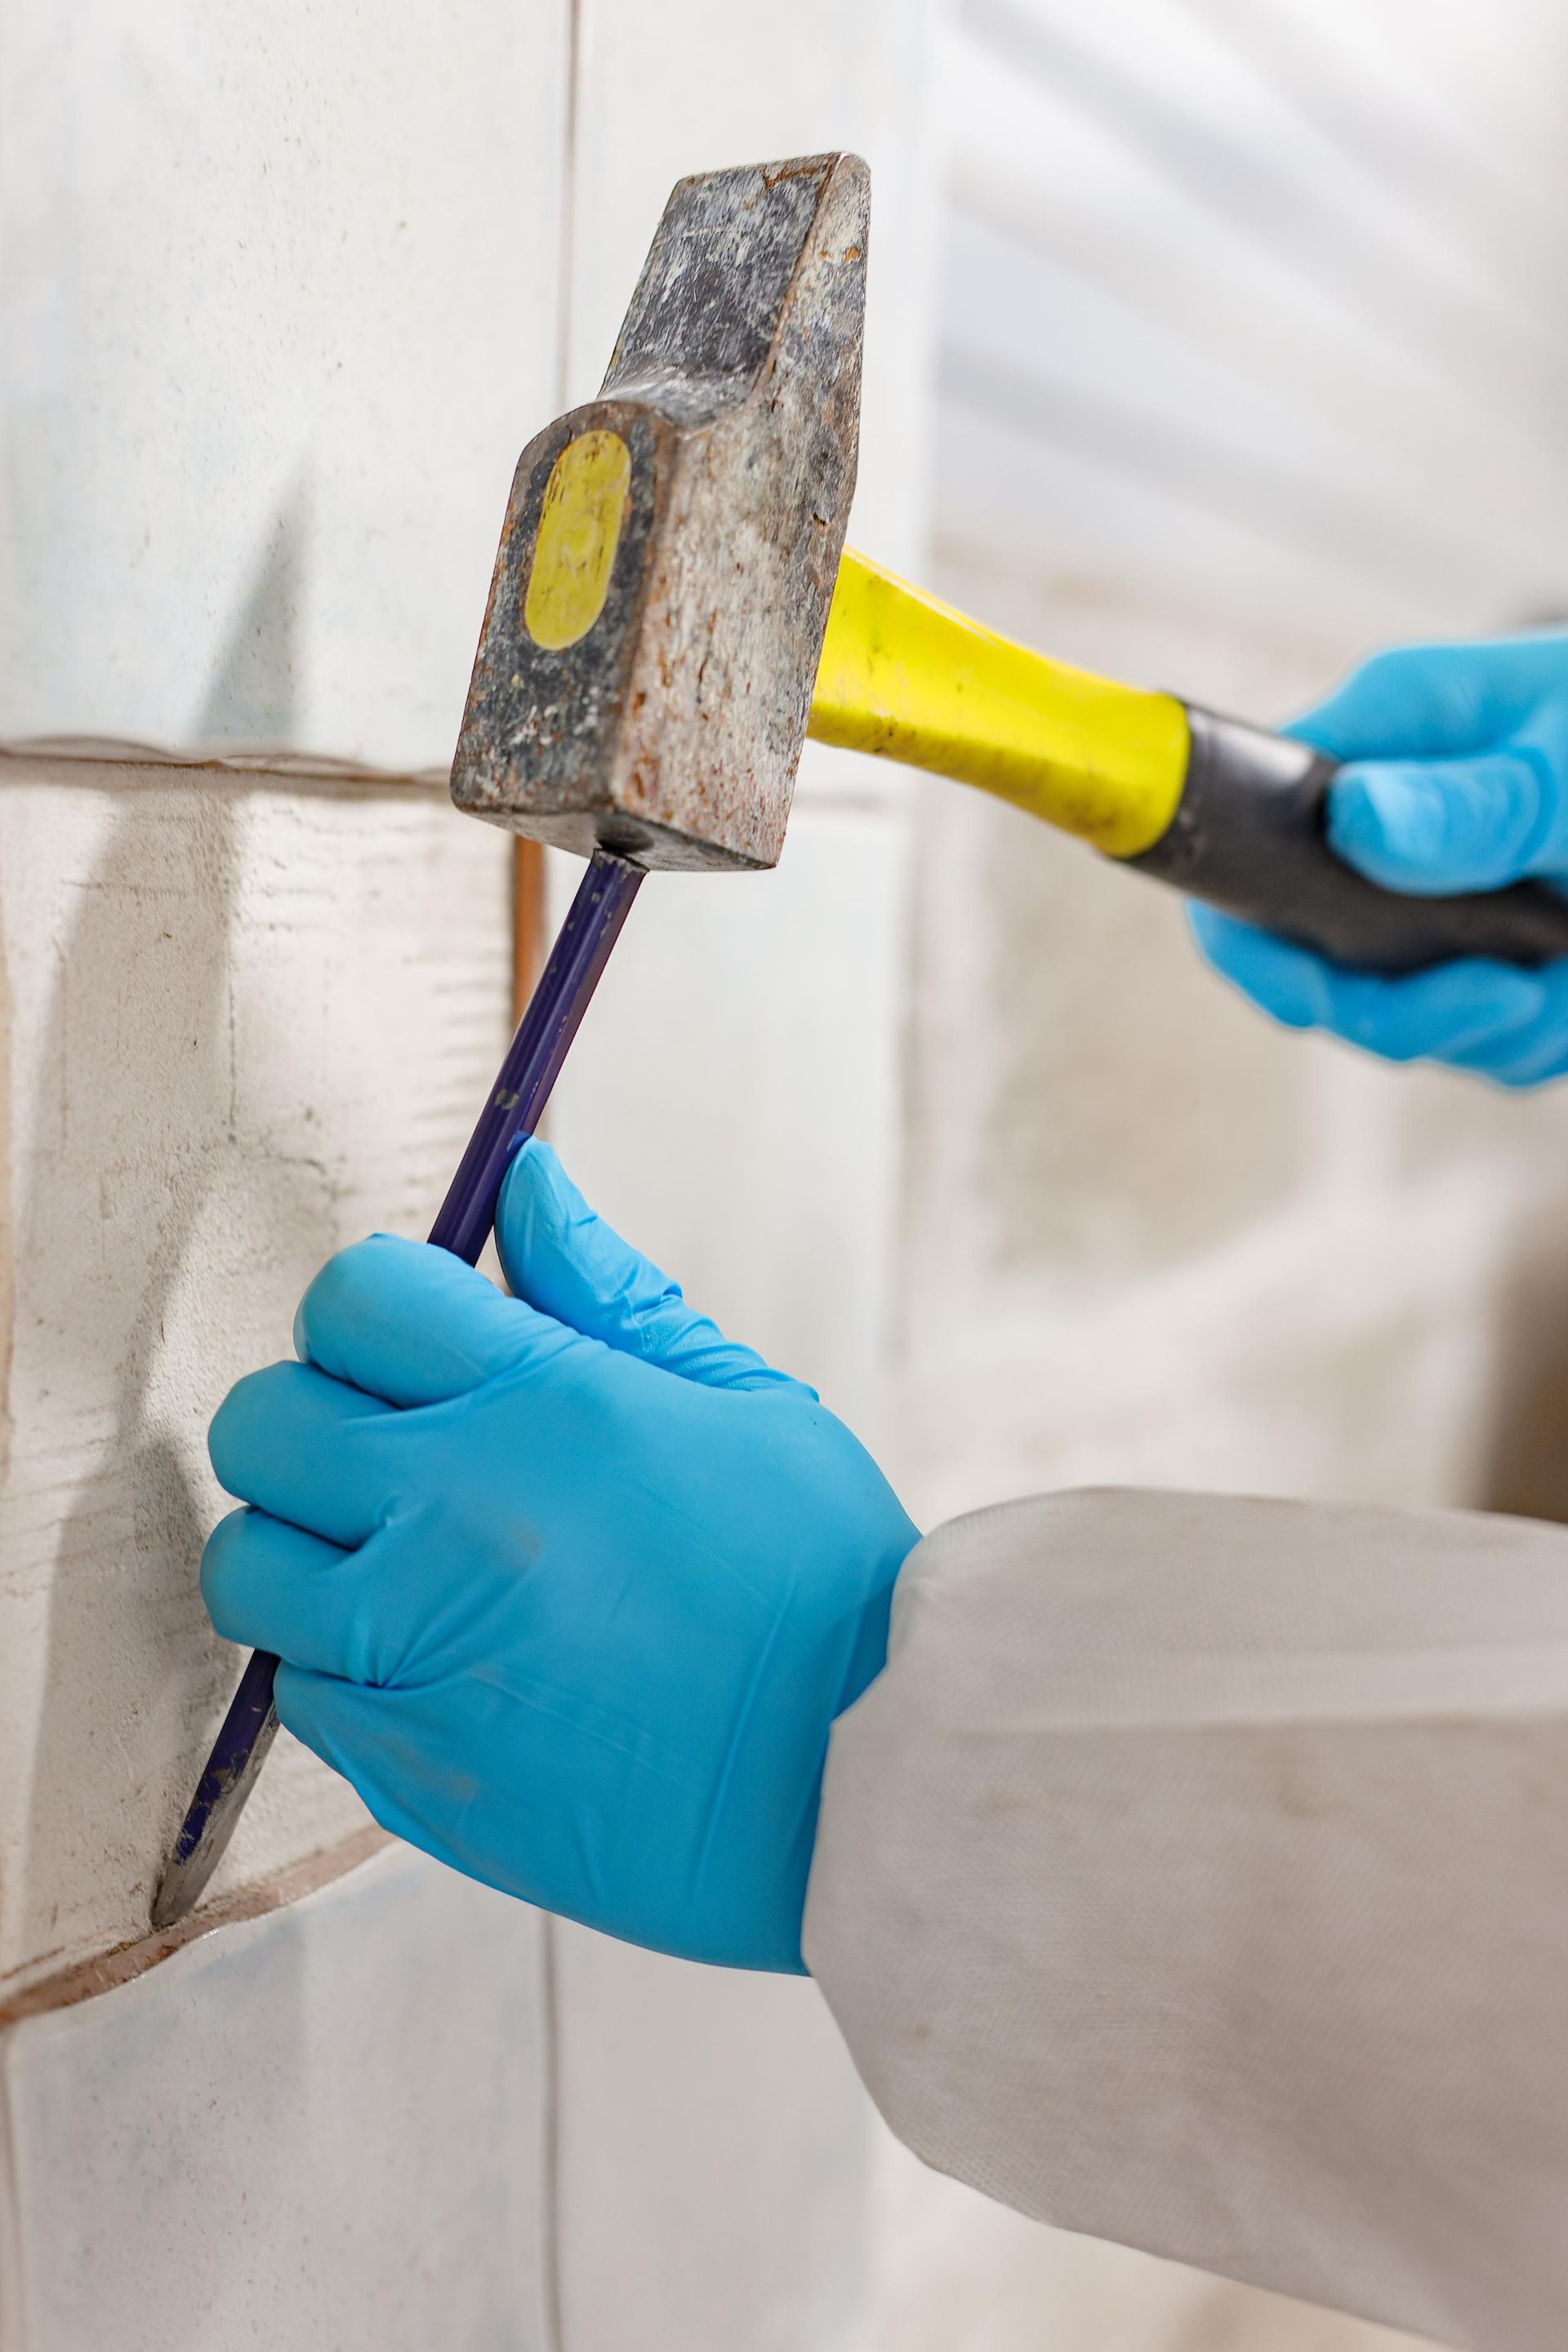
249,1023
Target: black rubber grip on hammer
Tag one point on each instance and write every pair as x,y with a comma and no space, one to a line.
1248,836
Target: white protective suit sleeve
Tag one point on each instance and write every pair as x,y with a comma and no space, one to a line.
1196,1875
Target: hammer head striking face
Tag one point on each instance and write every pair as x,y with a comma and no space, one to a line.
670,552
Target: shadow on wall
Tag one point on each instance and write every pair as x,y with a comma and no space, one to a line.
138,1110
1526,1469
253,697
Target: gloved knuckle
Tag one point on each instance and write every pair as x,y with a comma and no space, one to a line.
219,1565
339,1293
226,1433
241,1425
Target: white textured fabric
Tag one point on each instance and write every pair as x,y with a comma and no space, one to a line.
1196,1875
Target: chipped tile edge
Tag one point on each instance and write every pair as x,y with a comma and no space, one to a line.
124,1962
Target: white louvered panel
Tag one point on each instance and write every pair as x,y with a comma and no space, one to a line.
1236,139
1102,374
1067,194
1295,315
1409,92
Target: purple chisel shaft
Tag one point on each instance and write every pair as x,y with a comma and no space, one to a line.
530,1068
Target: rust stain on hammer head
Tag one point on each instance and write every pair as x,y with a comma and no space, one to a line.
670,731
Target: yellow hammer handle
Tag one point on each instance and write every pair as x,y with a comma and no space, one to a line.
907,676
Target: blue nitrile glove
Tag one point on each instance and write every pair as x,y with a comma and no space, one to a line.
568,1585
1459,783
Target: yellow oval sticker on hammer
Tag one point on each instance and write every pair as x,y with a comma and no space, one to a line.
574,548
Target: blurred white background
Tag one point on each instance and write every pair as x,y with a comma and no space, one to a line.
1252,346
1252,331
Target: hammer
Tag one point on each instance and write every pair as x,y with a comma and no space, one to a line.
656,624
669,616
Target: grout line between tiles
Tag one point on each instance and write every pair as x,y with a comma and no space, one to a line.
262,764
105,1970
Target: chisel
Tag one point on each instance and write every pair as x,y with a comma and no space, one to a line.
468,1214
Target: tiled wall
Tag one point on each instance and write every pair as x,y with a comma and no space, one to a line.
284,295
324,2127
280,308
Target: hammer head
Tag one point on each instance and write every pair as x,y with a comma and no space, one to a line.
670,552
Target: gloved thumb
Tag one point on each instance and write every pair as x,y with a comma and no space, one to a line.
1435,826
564,1259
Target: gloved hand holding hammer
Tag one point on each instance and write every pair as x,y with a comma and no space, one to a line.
1456,780
1190,1871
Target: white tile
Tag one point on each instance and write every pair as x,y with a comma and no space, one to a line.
732,1101
712,2159
319,2129
247,1023
279,313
